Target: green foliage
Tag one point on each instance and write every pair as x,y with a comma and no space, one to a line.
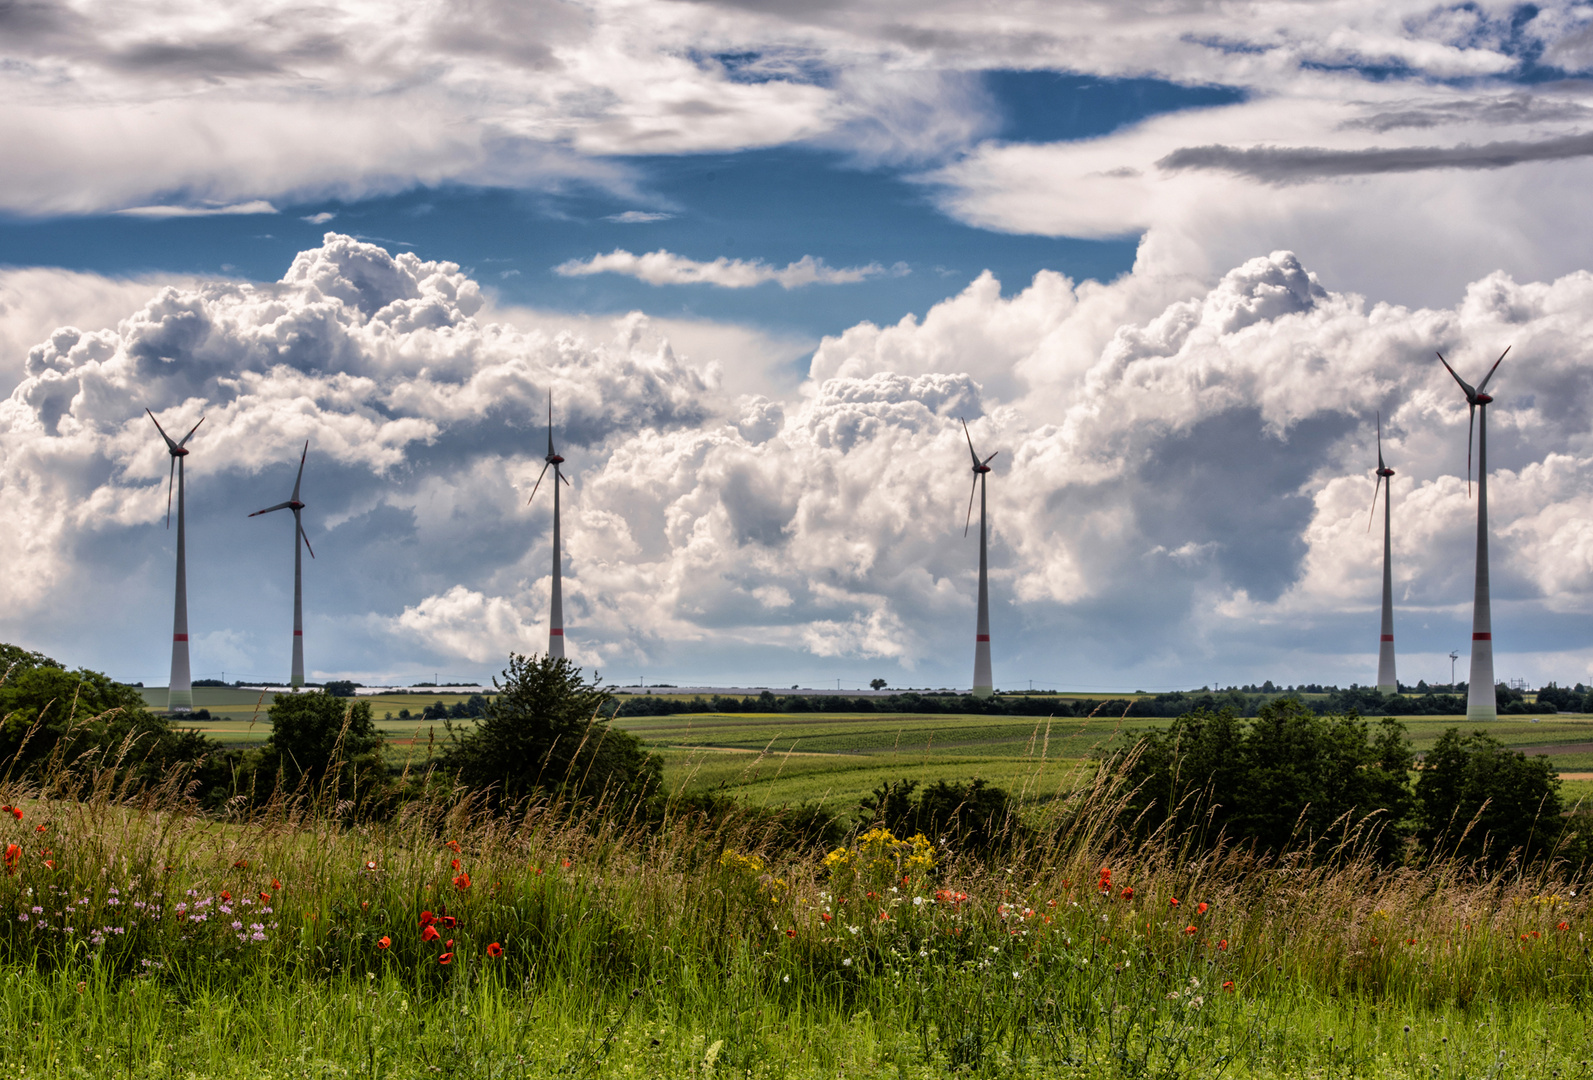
1482,800
1289,778
543,733
340,688
316,736
972,816
85,719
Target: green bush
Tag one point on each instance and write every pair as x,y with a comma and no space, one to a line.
317,736
543,733
973,817
1480,800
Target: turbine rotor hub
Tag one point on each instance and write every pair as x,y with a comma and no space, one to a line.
1385,472
554,459
1483,399
981,468
181,451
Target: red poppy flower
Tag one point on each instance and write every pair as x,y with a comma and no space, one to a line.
826,916
226,897
50,863
462,882
565,863
1190,930
429,933
383,942
446,958
456,864
427,918
13,853
16,812
1228,986
365,905
448,922
1128,892
1200,909
40,828
453,846
241,864
1410,941
1223,945
265,897
1563,926
884,916
791,932
494,949
448,944
1172,901
1374,941
275,884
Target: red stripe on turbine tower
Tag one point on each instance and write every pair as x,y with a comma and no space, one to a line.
1481,637
179,637
981,637
1388,637
557,631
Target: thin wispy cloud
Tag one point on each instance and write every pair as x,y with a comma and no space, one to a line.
1282,165
638,217
320,219
666,268
255,206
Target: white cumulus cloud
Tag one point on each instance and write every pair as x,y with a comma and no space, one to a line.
665,268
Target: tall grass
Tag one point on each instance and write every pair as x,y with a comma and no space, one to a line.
141,938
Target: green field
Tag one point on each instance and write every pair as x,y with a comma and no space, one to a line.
835,759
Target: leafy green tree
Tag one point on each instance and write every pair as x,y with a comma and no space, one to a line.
544,733
1481,800
1288,778
317,735
83,717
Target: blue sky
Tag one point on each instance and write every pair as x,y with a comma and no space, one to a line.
1172,264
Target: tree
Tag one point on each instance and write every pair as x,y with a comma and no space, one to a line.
544,733
311,732
85,718
1481,800
878,684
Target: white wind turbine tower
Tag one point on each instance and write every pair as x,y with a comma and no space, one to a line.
297,678
983,684
1387,683
180,690
556,604
1481,703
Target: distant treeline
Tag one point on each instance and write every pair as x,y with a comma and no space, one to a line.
1366,702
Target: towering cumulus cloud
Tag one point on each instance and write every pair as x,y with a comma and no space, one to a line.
1183,471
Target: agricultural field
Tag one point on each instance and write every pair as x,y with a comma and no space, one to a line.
835,759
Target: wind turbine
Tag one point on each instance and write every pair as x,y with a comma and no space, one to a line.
180,689
297,678
1481,703
1387,683
556,605
983,685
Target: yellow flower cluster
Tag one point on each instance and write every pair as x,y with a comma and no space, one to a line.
880,850
746,864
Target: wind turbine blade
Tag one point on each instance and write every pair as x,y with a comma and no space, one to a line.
1485,378
190,432
560,474
970,441
299,525
971,493
169,444
300,477
171,479
538,484
1380,464
1372,516
550,421
1463,384
987,460
267,510
1471,427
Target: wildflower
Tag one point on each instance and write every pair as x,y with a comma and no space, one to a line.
1563,926
265,897
275,884
494,949
16,812
427,918
1191,931
1200,909
791,932
448,922
226,897
847,962
564,863
370,865
1410,941
445,959
383,942
453,846
1222,945
429,933
449,944
365,905
13,853
40,828
826,916
456,864
462,882
241,864
1172,901
884,916
1128,892
49,864
1228,986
